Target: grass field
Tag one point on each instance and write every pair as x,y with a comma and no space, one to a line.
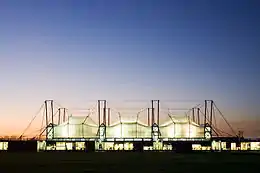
129,162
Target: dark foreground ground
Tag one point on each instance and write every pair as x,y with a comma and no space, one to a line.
130,162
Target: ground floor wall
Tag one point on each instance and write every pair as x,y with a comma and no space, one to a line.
91,146
180,146
19,146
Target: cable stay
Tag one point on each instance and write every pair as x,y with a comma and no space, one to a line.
138,114
91,111
224,119
214,128
118,113
31,121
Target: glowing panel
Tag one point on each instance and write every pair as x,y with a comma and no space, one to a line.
143,132
114,132
80,145
148,148
178,131
3,145
157,145
69,146
193,131
61,131
127,130
245,145
216,145
118,146
109,146
233,146
41,145
128,146
167,131
196,147
117,131
205,148
167,147
223,145
60,146
255,145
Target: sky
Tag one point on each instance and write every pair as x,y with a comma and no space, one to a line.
76,51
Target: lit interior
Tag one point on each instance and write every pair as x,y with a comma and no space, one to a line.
126,130
3,145
196,147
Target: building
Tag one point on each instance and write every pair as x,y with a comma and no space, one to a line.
124,134
81,133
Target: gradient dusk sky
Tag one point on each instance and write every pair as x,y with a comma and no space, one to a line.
75,51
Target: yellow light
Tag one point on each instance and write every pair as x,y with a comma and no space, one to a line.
255,145
3,145
233,146
196,147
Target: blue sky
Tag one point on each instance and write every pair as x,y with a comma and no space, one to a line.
74,51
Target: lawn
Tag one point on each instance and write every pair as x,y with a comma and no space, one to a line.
129,162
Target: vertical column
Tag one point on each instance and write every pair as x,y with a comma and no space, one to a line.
99,112
155,124
104,113
152,113
158,112
59,116
205,113
64,115
193,115
52,119
46,117
108,117
148,116
102,119
49,123
189,124
52,116
211,112
198,114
